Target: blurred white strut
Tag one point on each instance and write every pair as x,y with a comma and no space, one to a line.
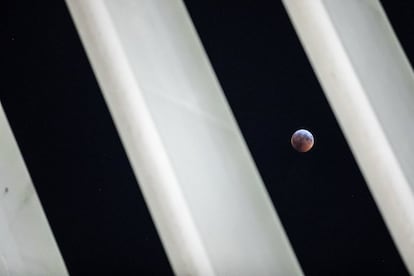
370,86
199,181
27,245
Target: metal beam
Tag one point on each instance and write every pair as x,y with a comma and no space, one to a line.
370,86
203,190
27,245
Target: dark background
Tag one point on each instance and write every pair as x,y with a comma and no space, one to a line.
86,184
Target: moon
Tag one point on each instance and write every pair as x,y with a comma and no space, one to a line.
302,140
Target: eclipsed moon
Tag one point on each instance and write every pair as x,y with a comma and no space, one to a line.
302,140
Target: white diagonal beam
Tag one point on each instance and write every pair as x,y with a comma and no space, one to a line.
27,245
204,193
370,85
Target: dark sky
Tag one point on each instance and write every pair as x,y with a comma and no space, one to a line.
86,184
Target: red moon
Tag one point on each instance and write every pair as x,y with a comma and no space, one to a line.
302,140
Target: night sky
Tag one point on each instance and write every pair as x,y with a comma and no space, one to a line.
85,182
